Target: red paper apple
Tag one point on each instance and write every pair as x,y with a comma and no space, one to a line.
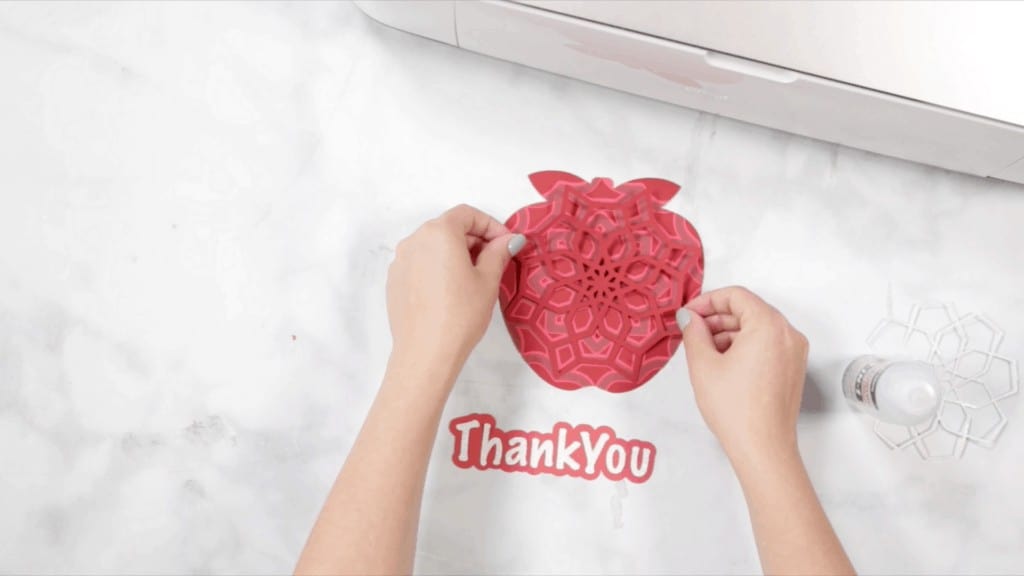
591,300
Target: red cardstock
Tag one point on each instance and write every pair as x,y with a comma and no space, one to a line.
578,451
591,299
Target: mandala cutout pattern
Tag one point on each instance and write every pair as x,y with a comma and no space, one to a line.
591,299
977,380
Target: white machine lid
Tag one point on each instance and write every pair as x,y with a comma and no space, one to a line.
959,55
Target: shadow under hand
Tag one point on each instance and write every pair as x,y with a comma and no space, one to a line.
823,386
813,400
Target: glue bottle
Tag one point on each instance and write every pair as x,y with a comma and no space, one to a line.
902,392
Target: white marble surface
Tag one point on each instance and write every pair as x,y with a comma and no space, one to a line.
198,203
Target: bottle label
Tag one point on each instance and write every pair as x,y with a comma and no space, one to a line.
861,379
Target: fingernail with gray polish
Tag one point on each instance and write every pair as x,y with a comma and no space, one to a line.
516,244
683,318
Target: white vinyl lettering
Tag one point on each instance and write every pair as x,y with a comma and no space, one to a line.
465,428
615,459
592,451
541,448
516,454
487,444
639,461
565,451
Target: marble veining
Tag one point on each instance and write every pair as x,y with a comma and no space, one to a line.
198,204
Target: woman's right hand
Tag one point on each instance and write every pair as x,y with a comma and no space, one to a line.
747,366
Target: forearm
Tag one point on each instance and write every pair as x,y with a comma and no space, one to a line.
792,532
368,524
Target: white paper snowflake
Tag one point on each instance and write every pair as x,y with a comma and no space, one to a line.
975,379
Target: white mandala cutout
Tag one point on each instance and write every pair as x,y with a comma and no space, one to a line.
976,380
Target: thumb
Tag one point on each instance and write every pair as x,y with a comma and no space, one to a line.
497,253
697,339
